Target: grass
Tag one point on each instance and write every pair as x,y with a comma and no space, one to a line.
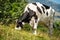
9,33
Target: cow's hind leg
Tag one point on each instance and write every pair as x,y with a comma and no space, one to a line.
51,27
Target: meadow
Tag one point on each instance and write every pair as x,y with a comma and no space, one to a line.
8,32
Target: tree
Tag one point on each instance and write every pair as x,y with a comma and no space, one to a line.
10,10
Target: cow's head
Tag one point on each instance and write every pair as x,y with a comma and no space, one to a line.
19,25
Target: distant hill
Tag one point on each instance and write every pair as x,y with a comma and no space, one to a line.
49,3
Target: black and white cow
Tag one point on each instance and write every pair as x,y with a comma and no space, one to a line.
35,12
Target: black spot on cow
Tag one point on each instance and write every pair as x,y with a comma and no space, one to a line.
26,17
39,9
43,9
47,13
34,4
33,14
47,7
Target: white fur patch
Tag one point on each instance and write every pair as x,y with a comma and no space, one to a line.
19,28
23,23
35,25
33,7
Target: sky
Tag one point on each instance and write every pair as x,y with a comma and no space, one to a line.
57,1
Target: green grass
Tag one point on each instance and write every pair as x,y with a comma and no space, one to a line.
9,33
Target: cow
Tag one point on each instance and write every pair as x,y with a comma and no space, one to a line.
34,13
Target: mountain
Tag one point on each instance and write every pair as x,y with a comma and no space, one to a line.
49,3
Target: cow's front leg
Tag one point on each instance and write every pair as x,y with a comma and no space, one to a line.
35,27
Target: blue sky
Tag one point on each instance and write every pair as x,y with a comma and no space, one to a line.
57,1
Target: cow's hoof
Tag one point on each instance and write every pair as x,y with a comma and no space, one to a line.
34,33
19,28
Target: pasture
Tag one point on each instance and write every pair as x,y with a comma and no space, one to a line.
9,33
